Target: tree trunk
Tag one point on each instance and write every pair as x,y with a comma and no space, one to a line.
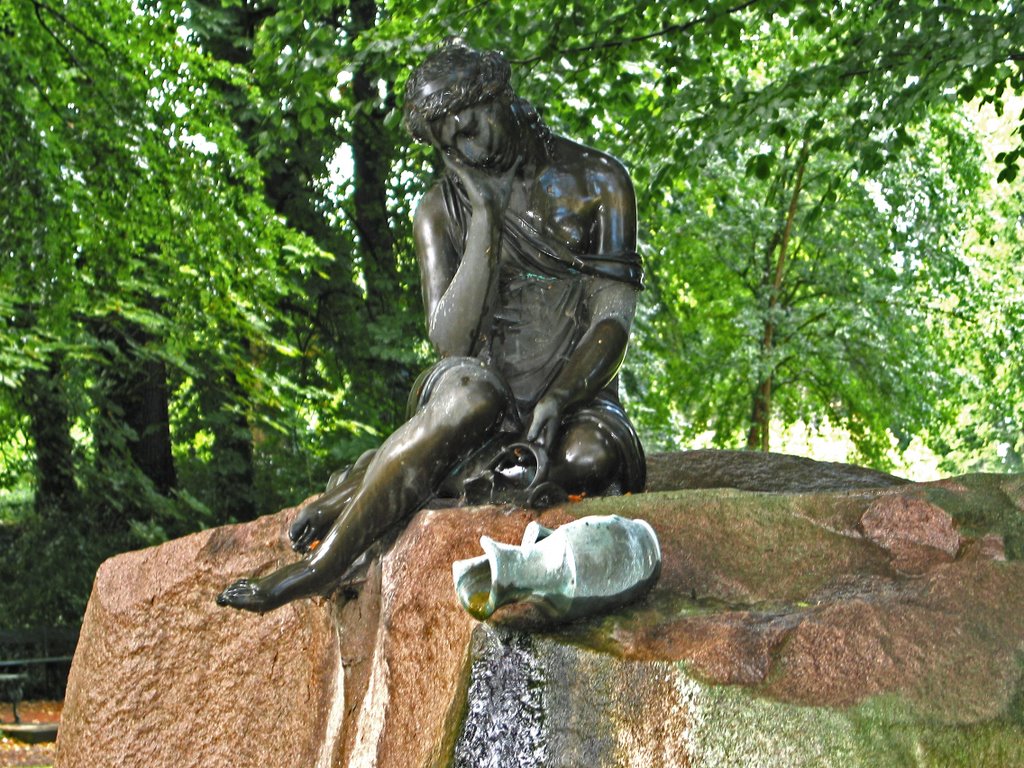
339,311
145,400
760,417
758,437
380,385
233,467
372,155
136,395
50,428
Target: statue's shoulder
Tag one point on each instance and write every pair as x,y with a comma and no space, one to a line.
597,170
433,201
432,211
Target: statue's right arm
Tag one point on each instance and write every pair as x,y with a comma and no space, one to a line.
456,286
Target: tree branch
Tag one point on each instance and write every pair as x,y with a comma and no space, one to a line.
39,6
72,59
61,117
618,43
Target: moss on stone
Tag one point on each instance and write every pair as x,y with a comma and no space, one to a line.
780,635
985,503
734,727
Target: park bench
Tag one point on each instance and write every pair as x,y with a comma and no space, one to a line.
12,682
34,663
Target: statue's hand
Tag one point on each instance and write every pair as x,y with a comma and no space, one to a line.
487,189
246,594
308,526
544,423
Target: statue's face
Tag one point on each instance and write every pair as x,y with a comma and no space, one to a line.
482,135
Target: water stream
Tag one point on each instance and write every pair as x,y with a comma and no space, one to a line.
504,726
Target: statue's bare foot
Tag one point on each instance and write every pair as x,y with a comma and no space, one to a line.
246,594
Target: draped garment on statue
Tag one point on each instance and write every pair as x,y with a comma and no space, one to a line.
539,315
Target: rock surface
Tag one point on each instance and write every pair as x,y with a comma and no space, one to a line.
876,625
755,471
161,678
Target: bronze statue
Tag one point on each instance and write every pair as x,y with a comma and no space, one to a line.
527,251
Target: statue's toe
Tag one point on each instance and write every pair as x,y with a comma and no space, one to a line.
304,530
302,538
241,594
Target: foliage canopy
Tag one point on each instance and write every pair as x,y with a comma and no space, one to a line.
209,298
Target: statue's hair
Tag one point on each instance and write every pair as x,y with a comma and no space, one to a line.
452,78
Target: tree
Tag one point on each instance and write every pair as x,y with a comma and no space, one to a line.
133,237
744,83
779,89
986,433
209,291
311,97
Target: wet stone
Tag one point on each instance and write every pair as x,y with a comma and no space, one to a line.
504,724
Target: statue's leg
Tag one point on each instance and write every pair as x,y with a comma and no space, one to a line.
466,407
316,518
586,459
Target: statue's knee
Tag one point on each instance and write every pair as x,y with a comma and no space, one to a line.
587,459
476,393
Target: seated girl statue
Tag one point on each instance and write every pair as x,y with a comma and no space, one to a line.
527,251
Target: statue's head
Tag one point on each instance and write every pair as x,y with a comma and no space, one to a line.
460,101
453,78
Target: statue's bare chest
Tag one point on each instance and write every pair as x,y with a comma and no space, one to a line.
559,205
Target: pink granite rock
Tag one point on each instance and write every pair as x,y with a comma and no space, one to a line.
781,624
163,677
916,532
